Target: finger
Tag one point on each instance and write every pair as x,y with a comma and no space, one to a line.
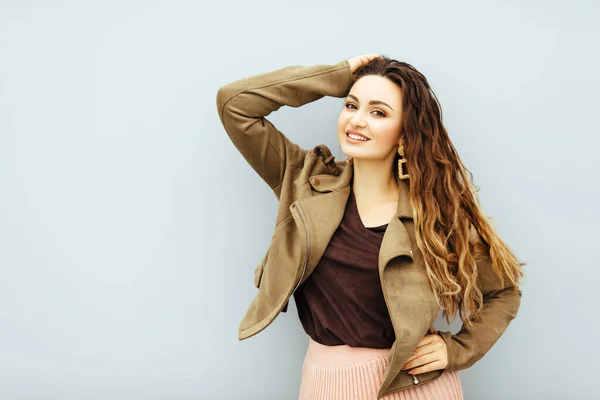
368,58
428,339
423,342
422,360
360,61
427,368
422,351
371,55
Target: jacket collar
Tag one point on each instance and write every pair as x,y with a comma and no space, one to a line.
329,183
324,213
407,282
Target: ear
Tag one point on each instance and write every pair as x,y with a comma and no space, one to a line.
401,139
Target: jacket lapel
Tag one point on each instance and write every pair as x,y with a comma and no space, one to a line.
396,241
411,303
401,267
324,212
405,286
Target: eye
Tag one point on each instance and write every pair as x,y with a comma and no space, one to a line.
353,106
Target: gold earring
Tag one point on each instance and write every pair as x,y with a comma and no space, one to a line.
349,160
401,161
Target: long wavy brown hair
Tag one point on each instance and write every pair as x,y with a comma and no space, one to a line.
445,203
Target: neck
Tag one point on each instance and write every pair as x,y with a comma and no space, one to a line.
374,182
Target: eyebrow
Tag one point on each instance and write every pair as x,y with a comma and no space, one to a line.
372,101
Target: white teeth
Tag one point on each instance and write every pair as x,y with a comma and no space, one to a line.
357,137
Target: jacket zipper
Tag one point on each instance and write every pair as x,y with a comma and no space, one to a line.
306,247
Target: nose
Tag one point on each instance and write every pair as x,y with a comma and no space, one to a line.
357,120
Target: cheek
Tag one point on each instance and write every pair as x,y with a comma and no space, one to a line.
342,122
388,132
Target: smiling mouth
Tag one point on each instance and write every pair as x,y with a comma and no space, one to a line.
357,137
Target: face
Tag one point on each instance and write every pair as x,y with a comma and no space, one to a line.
371,109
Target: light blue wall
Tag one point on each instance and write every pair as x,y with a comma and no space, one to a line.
130,226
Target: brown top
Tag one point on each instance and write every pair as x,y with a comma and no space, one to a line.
341,302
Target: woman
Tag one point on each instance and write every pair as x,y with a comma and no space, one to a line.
373,247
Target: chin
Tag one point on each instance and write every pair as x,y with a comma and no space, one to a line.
351,151
354,154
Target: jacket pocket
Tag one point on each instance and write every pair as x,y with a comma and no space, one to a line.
258,271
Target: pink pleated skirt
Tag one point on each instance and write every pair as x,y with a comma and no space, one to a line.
356,373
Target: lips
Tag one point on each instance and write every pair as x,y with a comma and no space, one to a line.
352,134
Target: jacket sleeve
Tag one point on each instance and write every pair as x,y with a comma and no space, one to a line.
244,104
500,307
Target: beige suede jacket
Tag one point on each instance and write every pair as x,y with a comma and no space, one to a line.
312,189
